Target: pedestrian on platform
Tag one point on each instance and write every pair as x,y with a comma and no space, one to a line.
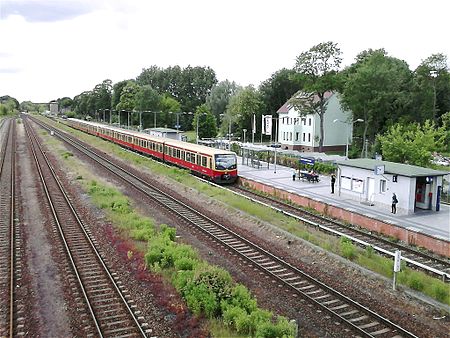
333,181
293,174
394,203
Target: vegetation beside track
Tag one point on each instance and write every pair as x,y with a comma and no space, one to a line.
415,280
208,290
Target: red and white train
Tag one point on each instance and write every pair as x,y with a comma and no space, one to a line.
217,165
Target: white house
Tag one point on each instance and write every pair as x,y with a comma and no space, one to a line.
373,182
302,133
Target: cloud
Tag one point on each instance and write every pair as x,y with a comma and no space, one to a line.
46,11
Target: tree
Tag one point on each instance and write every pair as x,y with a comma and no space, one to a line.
376,89
219,97
317,69
102,94
169,104
127,97
207,125
189,86
147,99
431,88
279,88
117,91
412,144
241,109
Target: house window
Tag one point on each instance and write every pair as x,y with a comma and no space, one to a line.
304,121
382,185
309,121
290,136
309,137
296,136
304,137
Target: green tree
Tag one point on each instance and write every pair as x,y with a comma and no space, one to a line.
127,97
102,95
168,104
413,143
279,88
431,88
317,69
376,89
219,97
207,126
117,91
241,110
147,99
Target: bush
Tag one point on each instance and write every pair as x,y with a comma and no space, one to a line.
201,299
185,263
241,297
348,250
230,315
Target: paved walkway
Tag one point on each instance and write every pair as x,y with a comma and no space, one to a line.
434,223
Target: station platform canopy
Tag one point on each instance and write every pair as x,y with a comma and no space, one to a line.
250,151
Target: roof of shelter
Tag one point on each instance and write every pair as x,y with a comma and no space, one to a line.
163,130
392,167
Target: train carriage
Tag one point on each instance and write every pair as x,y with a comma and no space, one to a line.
217,165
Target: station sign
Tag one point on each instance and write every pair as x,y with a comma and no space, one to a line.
307,160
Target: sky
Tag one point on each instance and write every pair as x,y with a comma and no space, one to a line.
50,49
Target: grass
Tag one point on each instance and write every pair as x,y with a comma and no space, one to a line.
418,281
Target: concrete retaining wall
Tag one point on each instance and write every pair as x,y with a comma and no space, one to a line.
436,245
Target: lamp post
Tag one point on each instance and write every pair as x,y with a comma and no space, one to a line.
348,129
434,74
198,118
244,130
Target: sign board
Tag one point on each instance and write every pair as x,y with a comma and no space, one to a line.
379,170
306,160
397,261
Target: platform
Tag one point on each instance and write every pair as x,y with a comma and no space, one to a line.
433,223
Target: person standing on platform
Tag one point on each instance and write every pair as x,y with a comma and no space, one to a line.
394,203
293,174
333,181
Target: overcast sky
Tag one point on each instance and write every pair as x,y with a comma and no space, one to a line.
55,48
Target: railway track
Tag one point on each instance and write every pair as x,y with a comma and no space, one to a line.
106,302
420,260
9,263
358,318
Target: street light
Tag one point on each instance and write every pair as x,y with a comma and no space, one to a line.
198,118
434,74
244,130
178,117
348,123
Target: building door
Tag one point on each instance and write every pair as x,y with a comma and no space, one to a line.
370,189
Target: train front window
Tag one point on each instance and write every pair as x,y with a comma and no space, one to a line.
225,162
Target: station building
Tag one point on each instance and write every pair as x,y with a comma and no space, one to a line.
373,182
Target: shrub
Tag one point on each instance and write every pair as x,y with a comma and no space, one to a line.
201,299
230,314
185,263
241,297
215,279
348,250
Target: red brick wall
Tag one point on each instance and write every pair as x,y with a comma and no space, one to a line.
436,245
